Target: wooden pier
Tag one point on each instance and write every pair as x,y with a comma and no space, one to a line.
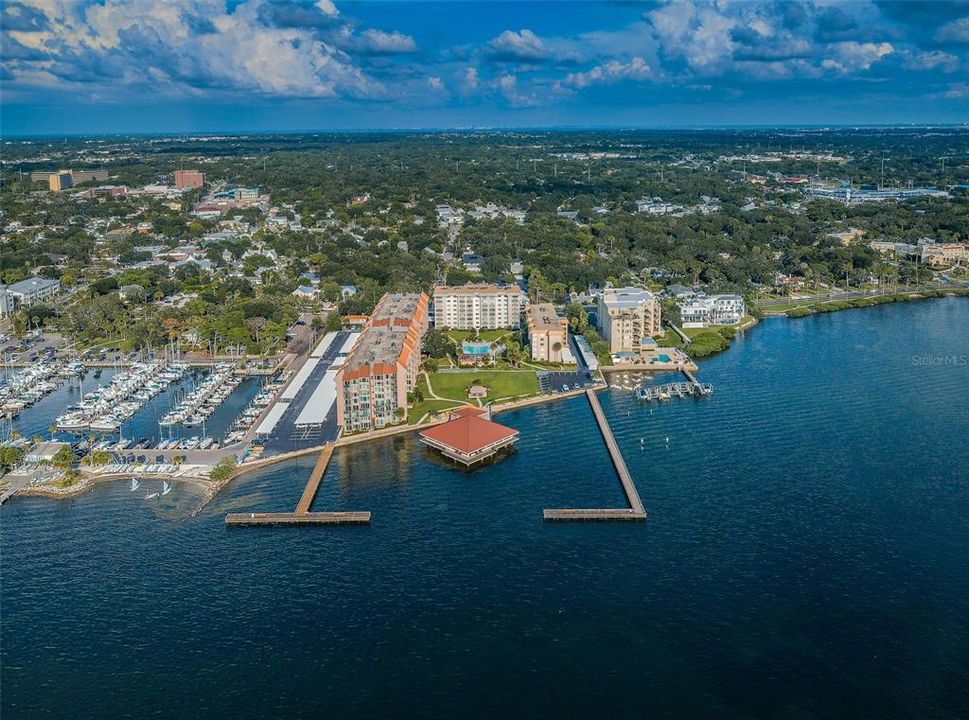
284,518
316,477
302,514
635,511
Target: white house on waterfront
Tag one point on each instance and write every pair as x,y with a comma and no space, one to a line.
701,310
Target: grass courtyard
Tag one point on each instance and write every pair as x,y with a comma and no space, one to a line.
500,383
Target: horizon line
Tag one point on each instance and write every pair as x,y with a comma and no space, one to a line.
501,128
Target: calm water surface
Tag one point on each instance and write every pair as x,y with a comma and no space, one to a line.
806,556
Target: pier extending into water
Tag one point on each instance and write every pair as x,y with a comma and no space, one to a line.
302,514
635,511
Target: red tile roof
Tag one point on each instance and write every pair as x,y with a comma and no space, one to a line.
469,433
469,410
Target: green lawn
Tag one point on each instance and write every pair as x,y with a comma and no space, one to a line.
428,405
500,383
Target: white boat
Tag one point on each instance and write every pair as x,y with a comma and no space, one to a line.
151,495
134,484
166,488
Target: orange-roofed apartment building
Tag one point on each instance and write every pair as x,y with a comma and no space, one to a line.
383,365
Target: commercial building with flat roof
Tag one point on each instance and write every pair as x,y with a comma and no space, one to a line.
27,292
60,180
189,179
626,316
477,306
548,334
383,366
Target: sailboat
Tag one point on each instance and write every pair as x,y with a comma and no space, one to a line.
151,495
134,484
166,488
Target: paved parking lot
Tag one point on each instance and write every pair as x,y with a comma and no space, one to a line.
560,381
286,435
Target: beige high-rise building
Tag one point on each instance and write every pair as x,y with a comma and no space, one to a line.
548,334
626,316
60,180
477,306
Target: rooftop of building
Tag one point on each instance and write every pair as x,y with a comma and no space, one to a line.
396,305
31,284
469,434
542,317
476,289
626,297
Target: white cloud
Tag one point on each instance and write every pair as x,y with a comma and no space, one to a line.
521,46
614,71
471,79
853,56
701,35
435,84
180,46
388,42
508,87
931,60
327,7
956,31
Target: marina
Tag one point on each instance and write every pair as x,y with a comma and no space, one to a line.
205,399
25,387
105,409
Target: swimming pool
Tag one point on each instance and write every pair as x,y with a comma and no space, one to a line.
476,347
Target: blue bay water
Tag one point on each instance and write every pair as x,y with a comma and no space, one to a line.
805,556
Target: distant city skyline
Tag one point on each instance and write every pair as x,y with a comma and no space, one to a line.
133,66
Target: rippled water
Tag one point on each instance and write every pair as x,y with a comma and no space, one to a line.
805,556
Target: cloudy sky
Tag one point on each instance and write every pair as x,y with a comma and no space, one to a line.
223,65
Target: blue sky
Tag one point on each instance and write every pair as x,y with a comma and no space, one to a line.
76,66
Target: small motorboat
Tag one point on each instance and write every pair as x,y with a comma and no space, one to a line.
151,495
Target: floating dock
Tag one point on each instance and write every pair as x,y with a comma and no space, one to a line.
302,514
635,511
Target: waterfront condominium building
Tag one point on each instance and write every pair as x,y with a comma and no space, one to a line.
626,316
189,179
548,334
383,365
713,310
477,306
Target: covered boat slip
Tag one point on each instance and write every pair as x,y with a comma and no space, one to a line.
349,343
302,375
323,345
272,418
320,402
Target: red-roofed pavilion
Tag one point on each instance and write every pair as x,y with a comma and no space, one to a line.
469,438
